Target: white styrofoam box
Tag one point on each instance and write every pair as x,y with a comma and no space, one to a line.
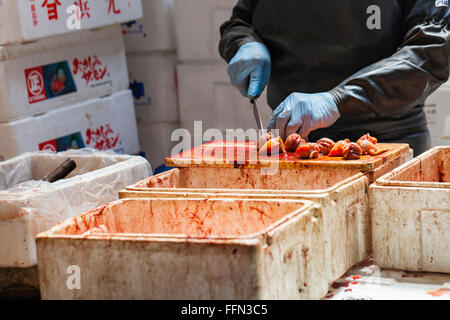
155,32
103,123
29,206
23,21
194,249
156,141
197,27
207,95
437,109
153,81
52,73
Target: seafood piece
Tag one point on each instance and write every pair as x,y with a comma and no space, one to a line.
338,148
293,142
264,138
368,137
273,147
308,151
325,146
367,147
352,151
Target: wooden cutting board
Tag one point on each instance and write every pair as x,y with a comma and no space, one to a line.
229,154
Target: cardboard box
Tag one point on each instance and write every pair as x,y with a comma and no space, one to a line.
155,32
207,95
102,123
197,27
29,20
42,76
153,80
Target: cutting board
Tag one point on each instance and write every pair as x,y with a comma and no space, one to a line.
229,154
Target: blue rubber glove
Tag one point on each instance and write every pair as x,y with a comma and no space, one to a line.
250,68
303,113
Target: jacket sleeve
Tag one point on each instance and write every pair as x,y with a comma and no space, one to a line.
394,86
238,30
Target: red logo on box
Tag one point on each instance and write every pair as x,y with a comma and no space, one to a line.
48,146
35,85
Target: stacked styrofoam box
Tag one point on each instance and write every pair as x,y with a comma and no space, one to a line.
24,21
437,109
61,88
102,123
92,64
204,87
152,60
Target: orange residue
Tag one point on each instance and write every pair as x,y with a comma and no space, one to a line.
439,293
244,151
356,277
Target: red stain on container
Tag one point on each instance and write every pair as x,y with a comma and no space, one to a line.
412,275
439,293
356,277
338,285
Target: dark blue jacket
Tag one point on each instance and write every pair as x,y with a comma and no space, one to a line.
381,73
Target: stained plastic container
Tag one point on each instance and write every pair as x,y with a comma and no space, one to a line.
341,193
411,214
338,186
29,206
186,249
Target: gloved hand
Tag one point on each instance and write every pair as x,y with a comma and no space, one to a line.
303,113
250,68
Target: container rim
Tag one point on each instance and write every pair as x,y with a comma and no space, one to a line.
135,189
246,240
388,180
394,151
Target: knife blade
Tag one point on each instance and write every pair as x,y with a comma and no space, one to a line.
256,113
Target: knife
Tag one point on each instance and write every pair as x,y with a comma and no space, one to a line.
256,113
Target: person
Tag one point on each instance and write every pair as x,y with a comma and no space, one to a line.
340,69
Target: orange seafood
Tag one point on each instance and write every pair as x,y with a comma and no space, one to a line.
273,147
293,142
308,151
338,148
352,151
264,138
368,137
368,148
325,146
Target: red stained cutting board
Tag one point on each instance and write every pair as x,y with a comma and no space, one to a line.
229,154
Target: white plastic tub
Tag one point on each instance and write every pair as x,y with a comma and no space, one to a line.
411,214
341,193
28,206
187,249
